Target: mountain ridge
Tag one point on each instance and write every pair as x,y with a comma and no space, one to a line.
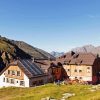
56,54
11,49
88,49
28,49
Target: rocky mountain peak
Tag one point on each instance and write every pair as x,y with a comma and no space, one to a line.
87,49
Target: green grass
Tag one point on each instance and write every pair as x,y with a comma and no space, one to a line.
82,92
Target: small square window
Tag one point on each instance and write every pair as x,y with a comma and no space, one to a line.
3,79
12,81
34,83
68,69
88,71
18,73
75,70
7,80
13,72
80,77
88,67
75,77
80,70
8,72
22,83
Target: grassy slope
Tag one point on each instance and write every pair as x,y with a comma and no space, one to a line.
82,92
6,46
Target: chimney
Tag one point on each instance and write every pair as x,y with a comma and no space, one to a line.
72,53
33,60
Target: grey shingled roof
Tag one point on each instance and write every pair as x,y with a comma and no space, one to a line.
28,67
82,58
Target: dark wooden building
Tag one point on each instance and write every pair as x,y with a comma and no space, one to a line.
58,72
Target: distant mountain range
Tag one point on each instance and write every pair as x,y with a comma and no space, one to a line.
83,49
87,49
57,54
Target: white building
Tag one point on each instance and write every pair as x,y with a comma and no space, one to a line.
22,73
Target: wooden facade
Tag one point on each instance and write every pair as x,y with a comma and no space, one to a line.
14,72
57,72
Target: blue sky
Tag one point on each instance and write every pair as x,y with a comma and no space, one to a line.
58,25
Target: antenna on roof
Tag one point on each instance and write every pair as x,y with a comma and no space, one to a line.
33,59
97,55
75,55
72,53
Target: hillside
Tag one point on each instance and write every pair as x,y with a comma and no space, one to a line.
10,50
33,51
87,49
28,49
81,92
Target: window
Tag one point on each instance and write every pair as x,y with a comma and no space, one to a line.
7,80
75,70
64,56
75,77
68,69
13,72
88,67
35,83
12,81
8,72
3,79
80,77
88,71
40,82
22,83
18,73
80,70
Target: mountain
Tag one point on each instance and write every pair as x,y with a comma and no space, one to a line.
57,54
28,49
11,49
87,49
33,51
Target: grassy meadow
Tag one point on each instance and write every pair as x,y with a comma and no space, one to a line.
82,92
